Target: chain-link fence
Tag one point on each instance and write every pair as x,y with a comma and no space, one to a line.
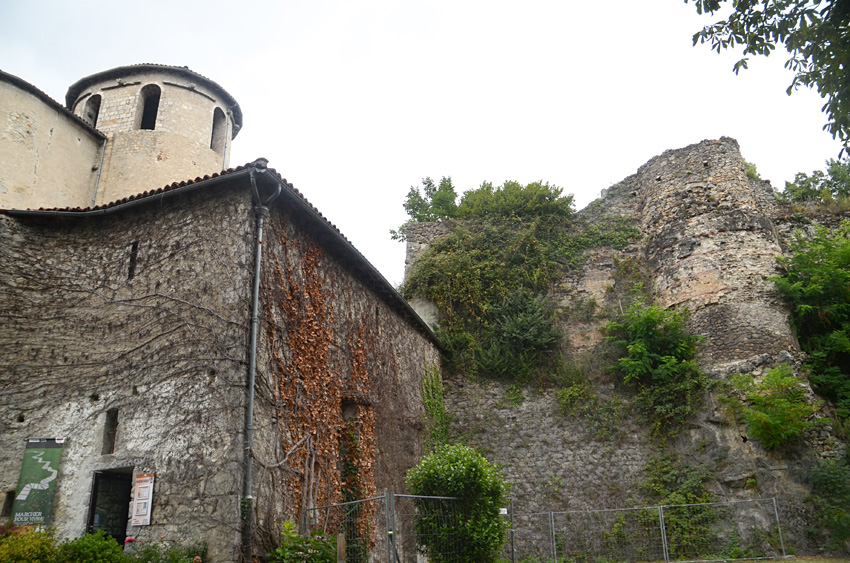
719,531
402,528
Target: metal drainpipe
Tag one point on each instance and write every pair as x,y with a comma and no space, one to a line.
99,170
262,211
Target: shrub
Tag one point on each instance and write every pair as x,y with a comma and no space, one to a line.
815,281
658,360
831,496
28,545
315,548
479,531
778,410
91,548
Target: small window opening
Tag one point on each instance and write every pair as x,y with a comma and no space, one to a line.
92,110
110,431
150,106
134,257
8,501
219,131
350,410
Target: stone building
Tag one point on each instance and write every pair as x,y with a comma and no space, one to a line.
209,331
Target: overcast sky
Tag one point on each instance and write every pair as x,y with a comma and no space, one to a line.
355,101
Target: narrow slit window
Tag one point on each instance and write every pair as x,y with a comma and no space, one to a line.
134,257
110,431
8,501
92,110
219,131
150,106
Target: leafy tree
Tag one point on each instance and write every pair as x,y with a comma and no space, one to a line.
831,496
814,32
512,200
435,202
820,186
778,411
476,533
817,282
658,360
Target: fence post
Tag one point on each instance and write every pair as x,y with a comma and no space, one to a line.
513,551
663,535
778,526
552,536
389,522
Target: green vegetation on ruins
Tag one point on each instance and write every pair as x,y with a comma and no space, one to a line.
816,281
489,276
657,358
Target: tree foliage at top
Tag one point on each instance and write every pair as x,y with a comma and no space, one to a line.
821,186
438,202
815,34
817,282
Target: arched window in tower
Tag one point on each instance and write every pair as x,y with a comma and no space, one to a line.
150,106
219,131
92,110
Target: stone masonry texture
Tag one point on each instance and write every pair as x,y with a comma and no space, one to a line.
710,241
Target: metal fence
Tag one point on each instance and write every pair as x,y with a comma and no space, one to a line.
720,531
397,528
391,528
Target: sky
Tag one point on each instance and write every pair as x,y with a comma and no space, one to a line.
354,102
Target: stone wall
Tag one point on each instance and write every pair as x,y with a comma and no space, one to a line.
49,158
144,311
177,149
339,361
710,241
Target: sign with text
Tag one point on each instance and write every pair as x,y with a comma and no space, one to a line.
33,505
142,499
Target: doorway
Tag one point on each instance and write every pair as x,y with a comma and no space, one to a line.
110,503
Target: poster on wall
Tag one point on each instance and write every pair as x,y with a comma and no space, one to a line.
33,504
142,499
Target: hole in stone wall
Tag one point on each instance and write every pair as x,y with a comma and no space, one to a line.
110,431
150,106
349,410
21,417
135,390
92,110
219,131
134,256
8,500
95,397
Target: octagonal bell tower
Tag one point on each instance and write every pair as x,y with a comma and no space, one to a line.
163,124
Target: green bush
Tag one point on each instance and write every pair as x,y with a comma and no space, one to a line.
831,496
657,358
315,548
27,546
91,548
777,410
160,552
816,282
479,530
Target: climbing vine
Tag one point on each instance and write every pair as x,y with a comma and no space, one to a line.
330,457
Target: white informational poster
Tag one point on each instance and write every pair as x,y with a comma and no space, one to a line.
142,499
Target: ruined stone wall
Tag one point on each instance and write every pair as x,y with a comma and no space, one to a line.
338,365
144,311
49,159
711,238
